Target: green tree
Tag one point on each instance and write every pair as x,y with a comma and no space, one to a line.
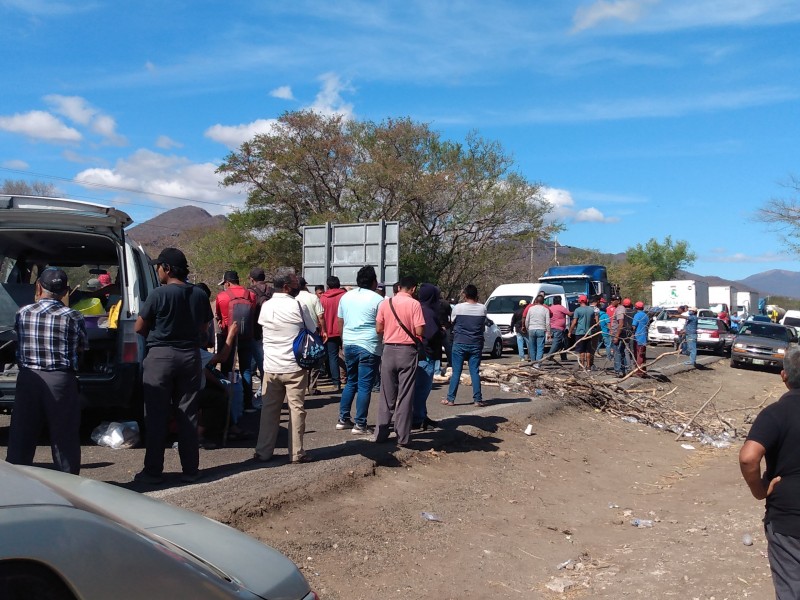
457,202
664,259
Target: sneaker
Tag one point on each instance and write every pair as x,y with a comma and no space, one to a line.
344,424
145,477
361,430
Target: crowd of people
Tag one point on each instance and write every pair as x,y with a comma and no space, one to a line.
394,346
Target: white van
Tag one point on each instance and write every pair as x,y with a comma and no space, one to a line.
792,319
88,241
504,300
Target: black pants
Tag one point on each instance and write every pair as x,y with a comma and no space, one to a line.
171,383
784,561
51,397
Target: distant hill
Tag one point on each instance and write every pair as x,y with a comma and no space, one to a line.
170,228
776,282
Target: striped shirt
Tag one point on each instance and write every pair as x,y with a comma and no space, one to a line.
49,336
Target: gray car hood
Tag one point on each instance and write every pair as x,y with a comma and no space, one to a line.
251,564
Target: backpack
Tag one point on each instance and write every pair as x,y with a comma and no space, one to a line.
307,346
242,310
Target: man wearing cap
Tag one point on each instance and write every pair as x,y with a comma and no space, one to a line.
49,337
639,324
537,322
558,326
516,328
689,332
222,310
620,333
174,320
583,320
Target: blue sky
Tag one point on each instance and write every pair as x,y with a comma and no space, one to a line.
642,118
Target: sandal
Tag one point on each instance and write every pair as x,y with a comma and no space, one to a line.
448,403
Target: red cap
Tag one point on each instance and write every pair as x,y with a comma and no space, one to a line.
582,298
639,305
626,302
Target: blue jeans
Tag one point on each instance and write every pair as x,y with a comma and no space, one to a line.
361,365
332,346
620,358
422,389
521,341
536,339
691,346
472,354
559,343
257,362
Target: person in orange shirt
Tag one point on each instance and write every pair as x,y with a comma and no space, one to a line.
401,321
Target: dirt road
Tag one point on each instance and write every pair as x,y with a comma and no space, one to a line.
514,507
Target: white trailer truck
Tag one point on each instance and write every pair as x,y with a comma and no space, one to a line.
721,298
674,293
746,304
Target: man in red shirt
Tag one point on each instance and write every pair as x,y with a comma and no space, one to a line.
397,318
558,326
330,304
244,340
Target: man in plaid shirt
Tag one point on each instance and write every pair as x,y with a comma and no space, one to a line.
49,336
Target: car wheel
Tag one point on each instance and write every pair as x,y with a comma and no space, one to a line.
497,349
734,364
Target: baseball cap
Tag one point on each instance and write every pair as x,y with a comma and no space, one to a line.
54,280
523,302
626,302
582,298
104,279
172,257
639,305
229,276
257,274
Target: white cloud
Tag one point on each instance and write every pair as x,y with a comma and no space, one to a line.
19,165
563,208
167,179
78,110
150,67
167,143
329,100
234,136
39,125
284,92
75,157
605,10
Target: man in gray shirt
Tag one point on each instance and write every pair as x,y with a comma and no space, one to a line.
537,323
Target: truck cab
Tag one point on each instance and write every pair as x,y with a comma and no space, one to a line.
577,280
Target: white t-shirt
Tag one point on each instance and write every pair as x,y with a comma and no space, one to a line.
281,321
312,302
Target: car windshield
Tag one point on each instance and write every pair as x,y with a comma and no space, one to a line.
668,315
763,330
792,321
505,305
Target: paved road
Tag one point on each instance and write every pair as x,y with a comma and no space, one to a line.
322,438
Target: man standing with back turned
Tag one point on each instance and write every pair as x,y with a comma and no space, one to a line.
49,336
775,436
469,321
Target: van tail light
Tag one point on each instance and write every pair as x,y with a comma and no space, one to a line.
715,335
130,343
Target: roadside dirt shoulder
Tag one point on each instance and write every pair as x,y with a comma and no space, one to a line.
513,507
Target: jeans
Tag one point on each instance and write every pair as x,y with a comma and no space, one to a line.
521,341
691,346
361,365
559,343
472,354
245,353
620,358
333,345
422,389
536,339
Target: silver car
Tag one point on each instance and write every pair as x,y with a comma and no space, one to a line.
64,537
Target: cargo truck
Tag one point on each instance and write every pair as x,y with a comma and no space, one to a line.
681,292
746,304
578,280
721,298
